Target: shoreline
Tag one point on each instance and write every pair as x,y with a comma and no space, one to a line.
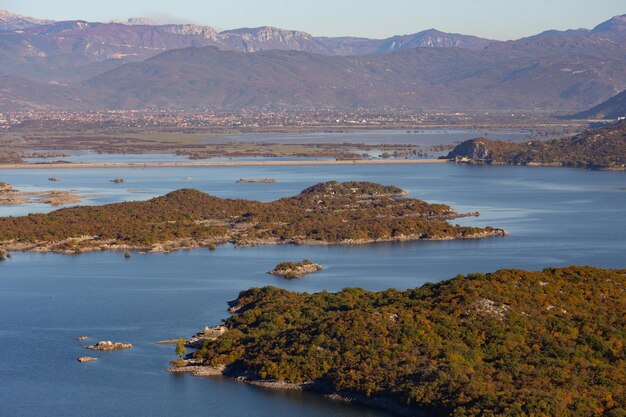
536,165
380,403
190,244
113,165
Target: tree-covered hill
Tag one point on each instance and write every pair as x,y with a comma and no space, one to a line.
510,343
332,212
603,148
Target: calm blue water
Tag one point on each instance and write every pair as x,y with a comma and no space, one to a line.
556,217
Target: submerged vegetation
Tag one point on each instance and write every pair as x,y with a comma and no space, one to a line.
594,149
352,212
510,343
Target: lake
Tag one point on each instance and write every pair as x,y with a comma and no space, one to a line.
555,217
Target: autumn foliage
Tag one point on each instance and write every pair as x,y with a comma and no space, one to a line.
510,343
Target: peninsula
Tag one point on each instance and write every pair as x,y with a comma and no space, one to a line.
326,213
603,148
510,343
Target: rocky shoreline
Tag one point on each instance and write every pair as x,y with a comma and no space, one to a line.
73,245
470,161
9,196
257,180
197,369
382,403
108,346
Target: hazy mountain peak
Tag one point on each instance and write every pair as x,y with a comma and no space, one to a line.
615,21
268,37
559,33
206,32
267,33
613,29
12,21
433,38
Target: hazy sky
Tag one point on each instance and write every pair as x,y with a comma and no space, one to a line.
497,19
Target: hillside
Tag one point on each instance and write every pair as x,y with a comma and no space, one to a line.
418,79
603,148
613,108
328,213
510,343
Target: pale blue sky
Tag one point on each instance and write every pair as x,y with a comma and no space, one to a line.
497,19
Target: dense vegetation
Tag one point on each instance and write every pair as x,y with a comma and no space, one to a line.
510,343
328,213
289,265
603,148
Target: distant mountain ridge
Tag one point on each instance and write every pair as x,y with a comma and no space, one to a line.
12,21
419,79
139,64
613,29
40,49
266,37
433,38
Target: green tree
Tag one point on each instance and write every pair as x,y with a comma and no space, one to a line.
180,347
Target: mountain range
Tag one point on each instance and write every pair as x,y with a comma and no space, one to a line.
139,64
44,49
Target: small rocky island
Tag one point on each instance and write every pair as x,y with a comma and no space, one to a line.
291,270
327,213
510,343
85,359
9,196
603,149
110,346
257,180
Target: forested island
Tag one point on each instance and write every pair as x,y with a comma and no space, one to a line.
326,213
509,343
603,148
291,270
